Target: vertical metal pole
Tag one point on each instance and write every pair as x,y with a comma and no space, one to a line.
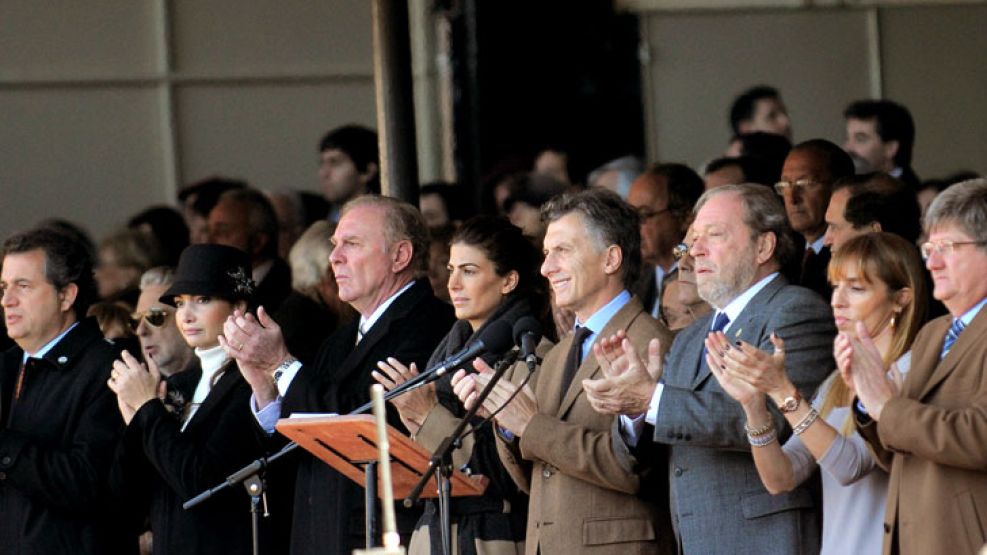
395,101
370,516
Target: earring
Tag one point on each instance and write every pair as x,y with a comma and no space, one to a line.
894,320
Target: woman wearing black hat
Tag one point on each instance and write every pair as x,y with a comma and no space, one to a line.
193,437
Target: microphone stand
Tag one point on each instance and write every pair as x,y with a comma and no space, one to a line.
440,464
252,475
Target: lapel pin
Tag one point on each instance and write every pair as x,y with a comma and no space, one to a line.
738,332
63,359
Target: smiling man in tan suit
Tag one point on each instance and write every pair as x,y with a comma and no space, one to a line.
551,440
933,432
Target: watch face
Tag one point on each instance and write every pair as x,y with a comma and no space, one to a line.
790,404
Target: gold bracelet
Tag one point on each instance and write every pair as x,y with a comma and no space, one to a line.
760,431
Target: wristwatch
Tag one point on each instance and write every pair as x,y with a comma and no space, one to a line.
790,403
285,364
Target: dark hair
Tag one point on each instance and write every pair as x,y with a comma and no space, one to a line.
878,197
451,196
684,187
207,192
505,245
836,161
892,121
742,108
360,144
261,216
768,152
167,227
66,262
609,218
75,232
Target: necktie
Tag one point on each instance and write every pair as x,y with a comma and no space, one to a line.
359,334
951,336
574,357
719,324
20,380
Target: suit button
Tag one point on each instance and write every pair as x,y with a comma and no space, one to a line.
688,437
887,528
678,471
671,435
546,473
678,435
5,460
3,475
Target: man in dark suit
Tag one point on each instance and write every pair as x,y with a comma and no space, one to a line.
380,258
245,219
930,431
739,240
807,178
663,197
59,422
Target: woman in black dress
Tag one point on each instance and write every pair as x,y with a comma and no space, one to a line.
199,429
493,277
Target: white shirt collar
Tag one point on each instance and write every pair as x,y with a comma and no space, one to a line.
40,353
816,245
367,323
736,306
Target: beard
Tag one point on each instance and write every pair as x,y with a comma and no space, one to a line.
730,280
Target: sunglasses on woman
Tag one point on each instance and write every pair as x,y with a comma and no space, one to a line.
154,317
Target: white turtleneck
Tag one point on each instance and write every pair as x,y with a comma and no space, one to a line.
211,360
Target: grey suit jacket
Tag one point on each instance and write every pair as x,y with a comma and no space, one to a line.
718,502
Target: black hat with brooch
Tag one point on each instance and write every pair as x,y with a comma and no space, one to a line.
213,271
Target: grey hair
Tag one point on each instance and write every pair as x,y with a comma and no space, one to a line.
402,222
963,204
763,213
158,275
309,258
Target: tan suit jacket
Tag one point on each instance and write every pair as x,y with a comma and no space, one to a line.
935,436
582,501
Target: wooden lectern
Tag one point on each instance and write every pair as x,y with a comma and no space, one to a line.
349,444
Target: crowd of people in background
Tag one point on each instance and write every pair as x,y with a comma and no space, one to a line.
781,351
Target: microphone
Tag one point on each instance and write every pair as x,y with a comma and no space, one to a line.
527,334
495,339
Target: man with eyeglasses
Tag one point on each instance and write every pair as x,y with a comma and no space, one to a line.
930,430
154,324
807,178
663,197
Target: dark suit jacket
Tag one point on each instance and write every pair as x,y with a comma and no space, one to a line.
814,274
275,286
932,436
329,508
56,449
170,466
719,504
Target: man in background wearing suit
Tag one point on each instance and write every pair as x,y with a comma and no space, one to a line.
380,259
930,431
551,441
740,240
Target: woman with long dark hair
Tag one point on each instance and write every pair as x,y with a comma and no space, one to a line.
494,276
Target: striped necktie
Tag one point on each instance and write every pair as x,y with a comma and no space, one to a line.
951,336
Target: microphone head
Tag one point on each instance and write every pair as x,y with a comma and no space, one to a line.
497,337
527,324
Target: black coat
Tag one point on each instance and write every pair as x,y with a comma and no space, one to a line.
274,288
162,466
56,449
329,508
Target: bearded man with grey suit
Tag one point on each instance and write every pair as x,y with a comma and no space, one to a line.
740,240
